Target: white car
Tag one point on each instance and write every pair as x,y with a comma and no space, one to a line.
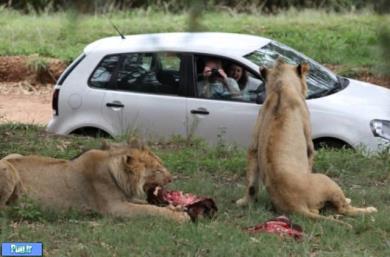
147,84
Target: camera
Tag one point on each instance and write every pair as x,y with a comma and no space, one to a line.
215,74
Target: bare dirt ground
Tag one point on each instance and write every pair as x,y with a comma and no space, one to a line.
25,103
26,85
25,91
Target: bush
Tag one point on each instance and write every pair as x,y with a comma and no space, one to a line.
265,6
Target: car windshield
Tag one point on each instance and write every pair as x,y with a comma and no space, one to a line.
320,80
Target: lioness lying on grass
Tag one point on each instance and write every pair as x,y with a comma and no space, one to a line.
110,181
281,154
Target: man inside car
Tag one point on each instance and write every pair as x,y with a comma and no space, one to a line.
215,83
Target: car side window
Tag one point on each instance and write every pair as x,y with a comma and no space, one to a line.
233,82
253,90
156,73
101,77
170,61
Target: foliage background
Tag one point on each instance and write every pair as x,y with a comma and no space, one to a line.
267,6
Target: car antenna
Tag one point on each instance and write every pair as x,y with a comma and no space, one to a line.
117,30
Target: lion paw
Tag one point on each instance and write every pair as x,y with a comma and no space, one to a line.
242,202
182,217
178,208
371,209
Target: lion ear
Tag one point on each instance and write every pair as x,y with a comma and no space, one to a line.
133,142
137,143
128,160
279,61
264,73
302,69
105,145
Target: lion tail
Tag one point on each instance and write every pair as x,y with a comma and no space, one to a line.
314,215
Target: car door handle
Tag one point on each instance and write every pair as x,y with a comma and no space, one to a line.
200,111
115,104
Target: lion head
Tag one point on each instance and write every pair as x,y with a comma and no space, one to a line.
281,70
136,168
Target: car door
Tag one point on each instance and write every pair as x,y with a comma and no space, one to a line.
145,98
220,120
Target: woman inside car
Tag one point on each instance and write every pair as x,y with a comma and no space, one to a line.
247,84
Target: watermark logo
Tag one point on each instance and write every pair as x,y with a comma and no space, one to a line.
21,249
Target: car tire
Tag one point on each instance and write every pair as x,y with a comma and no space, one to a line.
91,132
330,143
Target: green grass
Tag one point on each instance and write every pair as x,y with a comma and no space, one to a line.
349,39
217,172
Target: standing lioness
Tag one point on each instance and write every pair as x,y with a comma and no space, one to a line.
109,181
282,151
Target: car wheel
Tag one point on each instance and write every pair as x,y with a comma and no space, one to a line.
91,132
330,143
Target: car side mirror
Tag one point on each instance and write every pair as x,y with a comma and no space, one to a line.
260,97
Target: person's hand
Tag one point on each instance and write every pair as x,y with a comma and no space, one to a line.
222,73
206,72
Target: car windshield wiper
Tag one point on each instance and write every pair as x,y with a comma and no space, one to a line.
337,87
343,82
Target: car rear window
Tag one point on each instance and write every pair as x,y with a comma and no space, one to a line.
101,77
70,68
152,73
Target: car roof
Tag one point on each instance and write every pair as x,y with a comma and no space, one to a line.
215,43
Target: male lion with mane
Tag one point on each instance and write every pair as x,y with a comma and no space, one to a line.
111,181
281,153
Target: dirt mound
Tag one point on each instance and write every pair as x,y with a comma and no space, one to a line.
378,80
25,103
34,69
363,75
26,84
